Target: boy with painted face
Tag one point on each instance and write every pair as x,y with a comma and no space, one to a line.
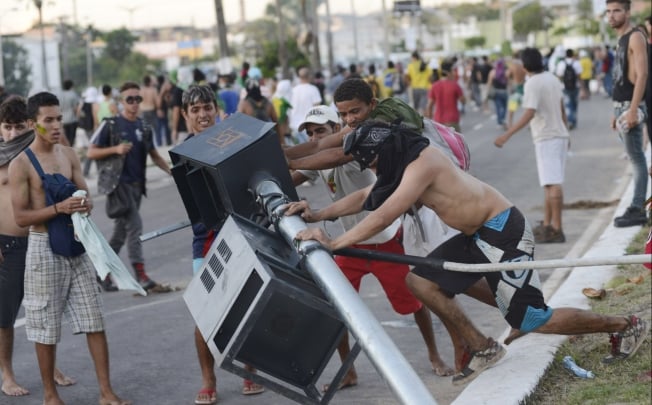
16,136
54,283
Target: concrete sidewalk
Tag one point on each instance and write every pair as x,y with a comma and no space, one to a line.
526,360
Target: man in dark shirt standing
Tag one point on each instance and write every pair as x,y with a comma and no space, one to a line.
134,145
630,73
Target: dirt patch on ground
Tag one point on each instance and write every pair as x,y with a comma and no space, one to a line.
588,204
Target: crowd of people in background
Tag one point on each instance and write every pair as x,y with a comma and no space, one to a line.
542,89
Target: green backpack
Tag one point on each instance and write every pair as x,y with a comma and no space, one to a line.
394,111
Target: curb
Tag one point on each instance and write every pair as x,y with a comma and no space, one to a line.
518,374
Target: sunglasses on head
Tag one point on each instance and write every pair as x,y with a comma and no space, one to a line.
133,99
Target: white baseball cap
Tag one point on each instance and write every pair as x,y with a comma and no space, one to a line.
320,114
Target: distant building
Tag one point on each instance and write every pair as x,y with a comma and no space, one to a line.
31,41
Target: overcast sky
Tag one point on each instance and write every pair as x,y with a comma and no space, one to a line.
18,15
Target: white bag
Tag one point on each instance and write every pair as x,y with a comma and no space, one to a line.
100,252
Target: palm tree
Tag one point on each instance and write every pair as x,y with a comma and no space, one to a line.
221,29
282,42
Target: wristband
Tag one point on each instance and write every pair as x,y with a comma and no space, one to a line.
56,212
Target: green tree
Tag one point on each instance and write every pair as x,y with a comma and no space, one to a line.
118,44
587,23
269,60
530,18
76,48
479,10
474,42
17,70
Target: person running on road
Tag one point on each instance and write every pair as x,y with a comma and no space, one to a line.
492,231
322,121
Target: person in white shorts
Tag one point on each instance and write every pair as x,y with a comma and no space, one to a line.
543,108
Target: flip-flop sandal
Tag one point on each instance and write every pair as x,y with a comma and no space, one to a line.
251,388
210,393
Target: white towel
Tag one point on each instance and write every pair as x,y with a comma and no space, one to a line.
101,254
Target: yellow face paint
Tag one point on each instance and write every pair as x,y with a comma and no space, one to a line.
41,129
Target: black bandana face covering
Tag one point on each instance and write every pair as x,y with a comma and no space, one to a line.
365,143
394,146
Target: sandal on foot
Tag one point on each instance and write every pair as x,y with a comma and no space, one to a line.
251,388
479,361
206,396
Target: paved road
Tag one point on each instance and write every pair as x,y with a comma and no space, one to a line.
150,339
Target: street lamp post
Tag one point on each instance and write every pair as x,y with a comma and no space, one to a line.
89,56
2,56
39,7
3,13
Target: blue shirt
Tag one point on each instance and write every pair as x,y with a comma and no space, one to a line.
129,131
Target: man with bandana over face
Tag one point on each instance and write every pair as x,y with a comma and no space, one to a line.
491,230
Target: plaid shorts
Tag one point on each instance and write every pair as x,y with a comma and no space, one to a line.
56,284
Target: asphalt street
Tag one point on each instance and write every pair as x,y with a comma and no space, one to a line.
153,359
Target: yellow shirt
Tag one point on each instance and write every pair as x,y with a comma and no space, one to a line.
418,79
587,68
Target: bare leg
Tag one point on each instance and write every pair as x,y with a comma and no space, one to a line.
571,321
63,380
9,385
556,202
207,366
46,355
547,208
250,387
422,318
465,336
482,292
99,351
351,377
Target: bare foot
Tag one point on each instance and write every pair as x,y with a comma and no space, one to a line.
11,389
62,379
114,401
441,368
53,401
349,380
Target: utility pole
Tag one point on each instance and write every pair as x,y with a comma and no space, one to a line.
63,30
131,10
329,38
89,56
314,27
282,43
39,6
385,34
221,30
355,30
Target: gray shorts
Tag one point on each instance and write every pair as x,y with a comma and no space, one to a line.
55,284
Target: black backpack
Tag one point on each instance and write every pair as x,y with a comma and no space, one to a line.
260,109
570,77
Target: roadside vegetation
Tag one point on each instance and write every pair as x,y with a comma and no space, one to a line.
624,382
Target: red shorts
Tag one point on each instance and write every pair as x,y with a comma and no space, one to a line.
390,275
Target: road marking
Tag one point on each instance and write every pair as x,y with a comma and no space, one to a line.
21,321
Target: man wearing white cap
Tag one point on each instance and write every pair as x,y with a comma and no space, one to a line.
319,122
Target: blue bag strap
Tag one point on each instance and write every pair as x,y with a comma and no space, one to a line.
35,162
